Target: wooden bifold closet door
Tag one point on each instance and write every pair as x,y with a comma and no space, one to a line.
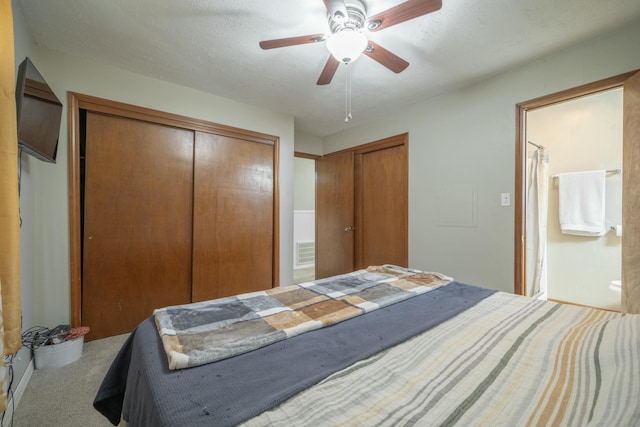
171,216
362,207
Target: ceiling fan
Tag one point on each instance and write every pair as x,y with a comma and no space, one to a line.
347,20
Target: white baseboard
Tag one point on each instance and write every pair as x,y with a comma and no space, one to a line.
14,400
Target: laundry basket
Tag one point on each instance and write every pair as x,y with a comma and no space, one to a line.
57,355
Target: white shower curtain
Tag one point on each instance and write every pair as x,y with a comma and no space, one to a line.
537,206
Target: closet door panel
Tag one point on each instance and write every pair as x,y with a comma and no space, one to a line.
137,221
382,223
233,216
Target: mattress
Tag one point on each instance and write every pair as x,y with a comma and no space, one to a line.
457,355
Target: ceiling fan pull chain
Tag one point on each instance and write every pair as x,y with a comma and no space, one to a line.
348,117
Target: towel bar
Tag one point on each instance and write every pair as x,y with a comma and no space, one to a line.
611,171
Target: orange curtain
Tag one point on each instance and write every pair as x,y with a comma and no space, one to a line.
10,316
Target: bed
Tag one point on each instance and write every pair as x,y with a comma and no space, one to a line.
447,354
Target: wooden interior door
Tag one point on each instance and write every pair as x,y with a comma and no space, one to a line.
233,216
381,206
334,215
631,196
137,221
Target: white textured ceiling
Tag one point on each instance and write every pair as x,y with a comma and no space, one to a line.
212,45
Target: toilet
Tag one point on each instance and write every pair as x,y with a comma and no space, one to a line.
616,285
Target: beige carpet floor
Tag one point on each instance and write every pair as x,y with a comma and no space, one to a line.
63,396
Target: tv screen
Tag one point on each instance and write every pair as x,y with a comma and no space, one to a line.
39,113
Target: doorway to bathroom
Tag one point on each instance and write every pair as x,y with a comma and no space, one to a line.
574,127
581,137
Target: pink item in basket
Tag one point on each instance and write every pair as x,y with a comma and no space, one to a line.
77,332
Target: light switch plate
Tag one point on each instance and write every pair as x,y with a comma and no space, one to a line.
505,199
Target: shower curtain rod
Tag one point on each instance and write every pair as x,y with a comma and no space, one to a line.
536,145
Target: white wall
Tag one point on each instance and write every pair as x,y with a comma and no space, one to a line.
45,231
304,185
307,143
583,134
466,139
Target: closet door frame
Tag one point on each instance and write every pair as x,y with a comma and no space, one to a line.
77,102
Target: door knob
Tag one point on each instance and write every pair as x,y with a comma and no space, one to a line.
350,229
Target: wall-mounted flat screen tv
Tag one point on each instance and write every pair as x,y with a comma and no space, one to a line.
39,114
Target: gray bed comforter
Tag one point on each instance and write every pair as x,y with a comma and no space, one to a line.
140,388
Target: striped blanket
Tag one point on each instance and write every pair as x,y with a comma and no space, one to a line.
200,333
507,361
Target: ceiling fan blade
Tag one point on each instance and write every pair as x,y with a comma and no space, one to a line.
402,12
328,71
337,9
385,57
292,41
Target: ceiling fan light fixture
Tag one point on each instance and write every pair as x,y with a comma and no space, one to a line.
347,45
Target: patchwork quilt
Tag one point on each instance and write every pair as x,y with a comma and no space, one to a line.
205,332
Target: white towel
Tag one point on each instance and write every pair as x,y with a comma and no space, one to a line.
581,203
